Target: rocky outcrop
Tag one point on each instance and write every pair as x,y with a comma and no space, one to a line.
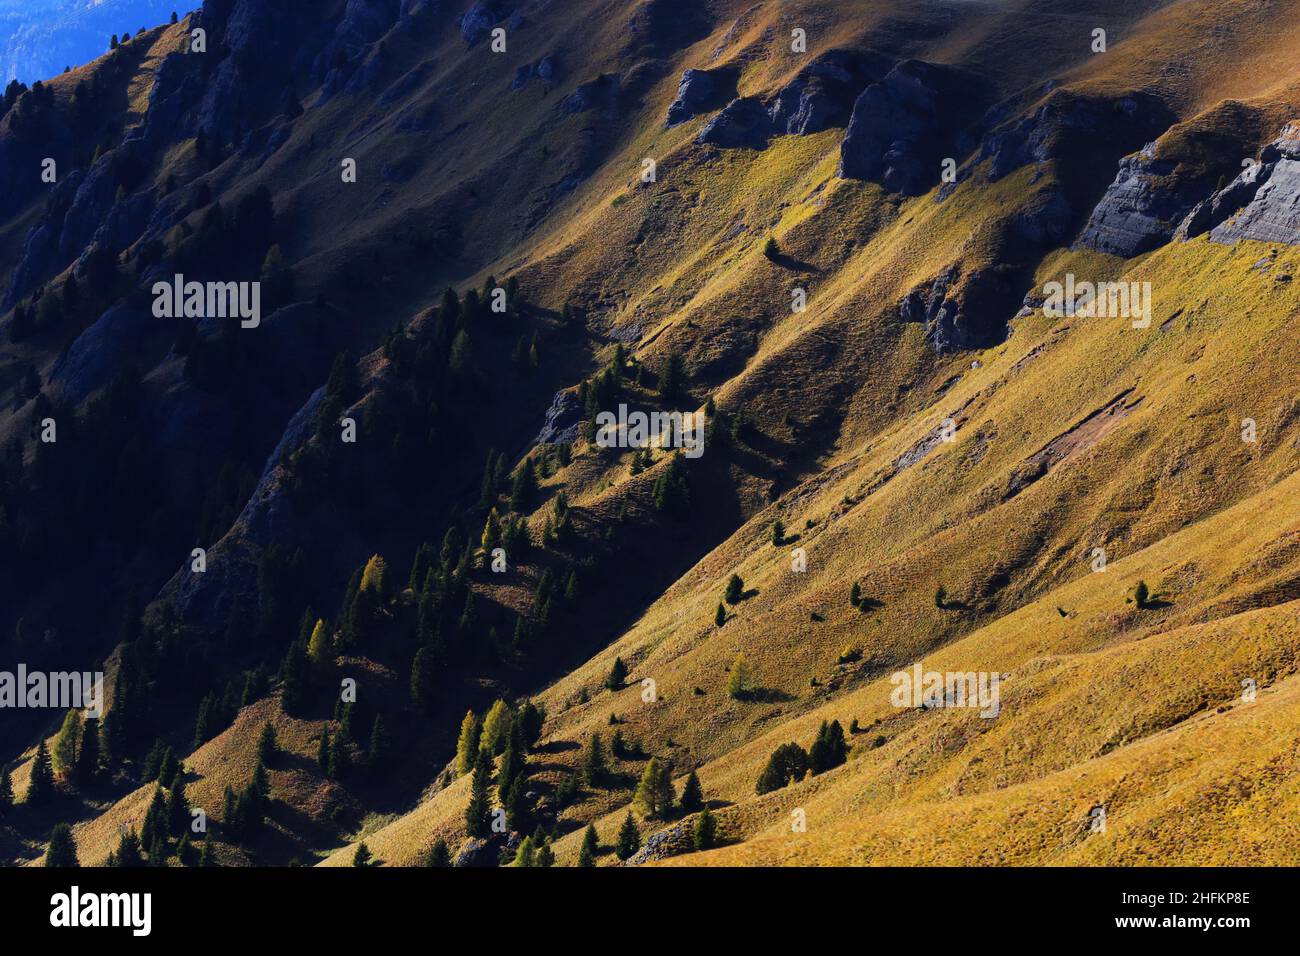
745,123
903,125
822,94
562,420
1262,203
1073,128
478,21
700,91
960,311
544,70
600,93
1157,187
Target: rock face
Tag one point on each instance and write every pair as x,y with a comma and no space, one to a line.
543,69
1262,203
478,21
960,312
1138,212
98,353
1073,129
1158,186
743,124
901,126
822,95
698,92
562,420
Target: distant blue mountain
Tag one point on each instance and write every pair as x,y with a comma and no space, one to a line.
38,38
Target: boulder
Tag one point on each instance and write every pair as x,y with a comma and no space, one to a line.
822,94
562,420
960,311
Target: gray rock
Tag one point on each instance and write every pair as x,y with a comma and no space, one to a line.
698,92
744,123
478,22
562,420
600,93
1262,203
959,312
901,125
544,70
822,94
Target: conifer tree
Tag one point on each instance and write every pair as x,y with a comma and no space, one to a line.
6,792
515,802
705,833
423,677
63,849
323,751
362,855
590,845
206,856
531,719
594,768
64,754
320,649
720,616
735,589
738,678
523,489
155,819
439,855
617,675
468,745
692,798
266,743
855,594
629,839
778,533
127,855
829,749
477,823
178,807
654,794
496,728
41,786
545,855
526,855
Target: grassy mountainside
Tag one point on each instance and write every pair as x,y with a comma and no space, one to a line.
924,322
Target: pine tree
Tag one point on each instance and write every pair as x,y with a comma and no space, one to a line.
467,746
735,589
266,743
705,834
720,616
654,794
523,490
530,720
41,787
127,855
673,380
526,855
778,533
829,749
155,819
63,849
323,750
362,855
1142,595
738,678
64,754
477,823
439,855
423,675
6,792
545,855
617,675
590,846
496,728
672,491
692,794
629,839
178,808
855,594
206,857
320,649
337,764
594,768
518,816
